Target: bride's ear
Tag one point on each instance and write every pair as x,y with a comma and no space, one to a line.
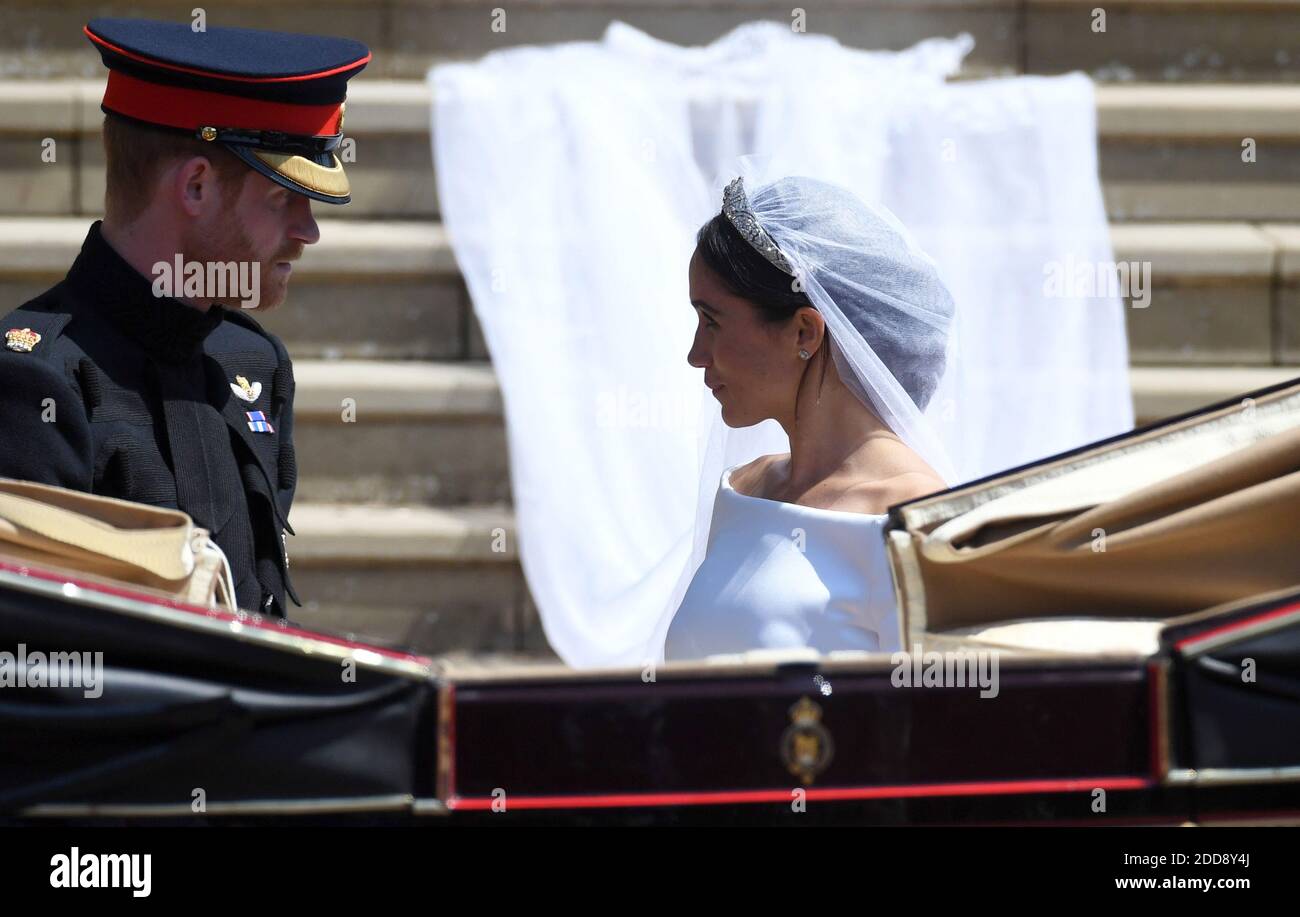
810,329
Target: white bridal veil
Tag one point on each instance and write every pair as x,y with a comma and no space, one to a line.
889,316
572,180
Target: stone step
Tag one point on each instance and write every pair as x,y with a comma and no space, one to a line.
1165,391
1220,293
1143,39
1175,152
1164,40
1166,152
431,580
400,432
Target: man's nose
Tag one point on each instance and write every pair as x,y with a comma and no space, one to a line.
304,228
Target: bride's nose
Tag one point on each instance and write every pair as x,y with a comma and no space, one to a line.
697,356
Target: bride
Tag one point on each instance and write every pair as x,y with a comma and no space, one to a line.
819,311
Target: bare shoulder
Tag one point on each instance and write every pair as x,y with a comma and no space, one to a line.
875,497
751,477
764,475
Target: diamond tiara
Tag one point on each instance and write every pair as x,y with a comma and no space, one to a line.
735,204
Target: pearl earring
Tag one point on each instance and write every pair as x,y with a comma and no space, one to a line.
803,354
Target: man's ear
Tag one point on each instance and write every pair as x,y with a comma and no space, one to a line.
194,185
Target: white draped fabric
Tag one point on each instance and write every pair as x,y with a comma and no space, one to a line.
572,179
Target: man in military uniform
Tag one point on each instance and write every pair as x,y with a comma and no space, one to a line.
142,375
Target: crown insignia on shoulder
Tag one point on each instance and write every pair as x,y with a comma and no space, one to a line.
21,340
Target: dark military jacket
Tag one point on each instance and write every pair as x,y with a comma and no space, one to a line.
148,399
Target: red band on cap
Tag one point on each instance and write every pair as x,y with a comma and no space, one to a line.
191,109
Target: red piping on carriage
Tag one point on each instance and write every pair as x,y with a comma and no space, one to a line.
37,573
221,76
633,800
1238,625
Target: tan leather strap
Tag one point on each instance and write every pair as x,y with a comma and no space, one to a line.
163,552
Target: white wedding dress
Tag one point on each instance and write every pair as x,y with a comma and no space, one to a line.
780,575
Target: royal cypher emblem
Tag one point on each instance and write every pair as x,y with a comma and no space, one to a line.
242,389
21,340
806,745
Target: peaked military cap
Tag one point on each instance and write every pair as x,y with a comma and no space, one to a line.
274,99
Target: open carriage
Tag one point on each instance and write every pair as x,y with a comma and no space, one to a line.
1160,684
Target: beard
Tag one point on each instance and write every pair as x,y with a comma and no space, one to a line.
228,241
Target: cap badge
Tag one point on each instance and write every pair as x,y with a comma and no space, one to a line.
257,422
242,389
21,340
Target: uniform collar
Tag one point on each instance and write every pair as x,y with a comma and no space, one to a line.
166,328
